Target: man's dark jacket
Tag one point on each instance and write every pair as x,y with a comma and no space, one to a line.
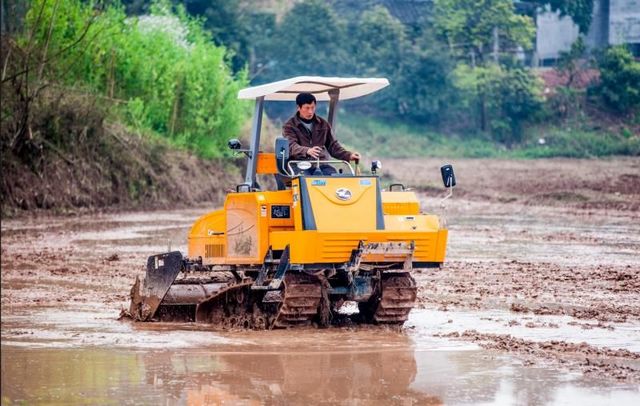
301,140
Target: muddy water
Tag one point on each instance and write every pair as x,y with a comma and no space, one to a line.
62,342
335,366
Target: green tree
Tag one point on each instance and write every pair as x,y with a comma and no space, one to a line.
570,62
470,26
424,88
310,40
162,69
508,98
619,80
567,99
519,99
379,47
379,43
226,21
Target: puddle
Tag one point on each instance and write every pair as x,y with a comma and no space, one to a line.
64,356
92,327
270,374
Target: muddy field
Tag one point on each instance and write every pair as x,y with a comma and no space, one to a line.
538,303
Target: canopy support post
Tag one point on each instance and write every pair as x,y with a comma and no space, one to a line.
334,95
254,146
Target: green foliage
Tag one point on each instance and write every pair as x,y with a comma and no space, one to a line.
619,80
379,48
566,103
171,77
579,144
380,43
425,91
226,21
376,139
310,41
166,75
506,98
371,44
468,25
518,94
568,100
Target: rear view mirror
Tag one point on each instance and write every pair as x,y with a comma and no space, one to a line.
234,144
448,177
376,166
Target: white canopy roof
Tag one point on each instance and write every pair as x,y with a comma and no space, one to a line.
288,89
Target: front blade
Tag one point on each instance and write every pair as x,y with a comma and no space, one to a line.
162,270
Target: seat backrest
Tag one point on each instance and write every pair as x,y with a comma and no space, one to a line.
266,163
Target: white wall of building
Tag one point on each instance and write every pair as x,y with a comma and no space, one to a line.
624,22
554,34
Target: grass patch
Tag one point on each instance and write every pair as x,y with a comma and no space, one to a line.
374,138
560,142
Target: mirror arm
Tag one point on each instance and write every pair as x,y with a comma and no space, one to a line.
449,194
246,152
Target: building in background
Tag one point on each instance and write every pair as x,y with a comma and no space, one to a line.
614,22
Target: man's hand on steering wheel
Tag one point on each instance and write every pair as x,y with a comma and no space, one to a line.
314,152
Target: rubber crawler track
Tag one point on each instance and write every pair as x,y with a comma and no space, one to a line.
302,295
399,292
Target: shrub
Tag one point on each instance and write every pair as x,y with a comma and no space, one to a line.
619,85
163,68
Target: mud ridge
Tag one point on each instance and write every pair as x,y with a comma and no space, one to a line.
601,361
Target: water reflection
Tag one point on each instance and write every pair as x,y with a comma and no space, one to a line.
247,375
289,374
305,368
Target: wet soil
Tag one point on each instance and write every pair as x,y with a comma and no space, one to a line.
527,245
577,184
537,293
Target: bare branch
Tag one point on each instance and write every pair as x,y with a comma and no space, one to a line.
32,34
6,62
46,45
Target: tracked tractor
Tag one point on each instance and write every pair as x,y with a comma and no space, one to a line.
294,255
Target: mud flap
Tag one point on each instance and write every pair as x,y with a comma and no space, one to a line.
162,270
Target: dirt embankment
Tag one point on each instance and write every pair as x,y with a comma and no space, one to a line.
71,159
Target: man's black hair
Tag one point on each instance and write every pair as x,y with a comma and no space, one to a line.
305,98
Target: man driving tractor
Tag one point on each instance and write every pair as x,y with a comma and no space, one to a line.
311,137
